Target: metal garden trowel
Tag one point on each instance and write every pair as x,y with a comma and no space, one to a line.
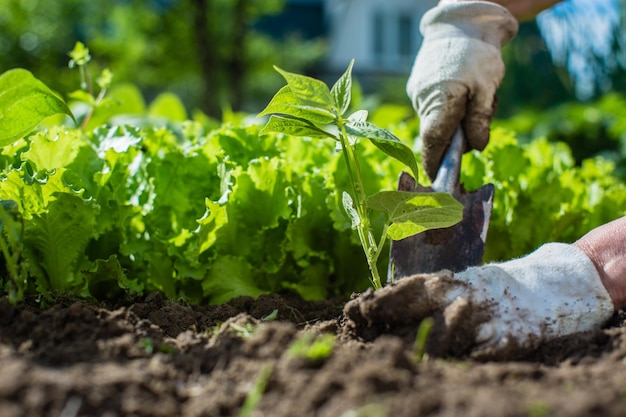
454,248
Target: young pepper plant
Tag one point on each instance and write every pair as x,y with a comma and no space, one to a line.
307,107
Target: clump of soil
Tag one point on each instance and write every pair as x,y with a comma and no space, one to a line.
156,357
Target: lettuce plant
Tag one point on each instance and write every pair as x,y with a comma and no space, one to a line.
306,107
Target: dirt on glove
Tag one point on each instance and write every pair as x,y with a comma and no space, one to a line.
154,357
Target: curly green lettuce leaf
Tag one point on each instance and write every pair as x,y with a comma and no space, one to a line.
58,239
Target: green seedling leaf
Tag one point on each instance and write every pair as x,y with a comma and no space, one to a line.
293,126
368,410
255,394
150,346
309,92
538,409
359,116
244,331
342,90
147,343
412,213
25,102
421,339
273,315
282,102
285,103
385,141
313,348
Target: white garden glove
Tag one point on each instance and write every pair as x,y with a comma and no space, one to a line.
496,310
456,74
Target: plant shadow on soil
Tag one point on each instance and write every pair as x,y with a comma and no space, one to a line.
155,357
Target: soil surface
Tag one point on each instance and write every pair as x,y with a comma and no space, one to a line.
154,357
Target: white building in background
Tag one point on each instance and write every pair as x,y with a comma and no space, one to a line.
381,35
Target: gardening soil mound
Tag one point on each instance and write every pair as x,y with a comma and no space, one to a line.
155,357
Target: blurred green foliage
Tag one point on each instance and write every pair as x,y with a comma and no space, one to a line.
597,128
205,51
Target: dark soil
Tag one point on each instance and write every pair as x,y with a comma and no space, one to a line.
160,358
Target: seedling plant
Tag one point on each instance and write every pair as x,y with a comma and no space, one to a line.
307,107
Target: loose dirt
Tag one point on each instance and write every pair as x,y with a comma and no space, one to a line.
154,357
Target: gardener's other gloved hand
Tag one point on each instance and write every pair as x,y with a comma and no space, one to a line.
456,74
508,309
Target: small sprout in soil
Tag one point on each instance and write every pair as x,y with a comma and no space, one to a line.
271,316
165,348
369,410
538,409
213,330
422,338
312,348
243,331
148,344
255,394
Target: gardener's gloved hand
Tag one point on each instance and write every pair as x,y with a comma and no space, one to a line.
497,310
456,74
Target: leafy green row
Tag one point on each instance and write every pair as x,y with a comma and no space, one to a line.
202,215
194,212
590,129
208,213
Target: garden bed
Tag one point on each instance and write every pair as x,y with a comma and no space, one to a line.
221,216
154,357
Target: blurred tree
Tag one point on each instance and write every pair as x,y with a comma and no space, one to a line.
221,29
206,51
618,78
